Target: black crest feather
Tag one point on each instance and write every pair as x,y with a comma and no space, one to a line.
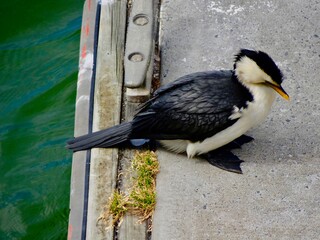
264,61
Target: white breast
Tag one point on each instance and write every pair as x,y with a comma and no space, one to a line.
249,117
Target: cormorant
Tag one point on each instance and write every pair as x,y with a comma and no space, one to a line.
204,114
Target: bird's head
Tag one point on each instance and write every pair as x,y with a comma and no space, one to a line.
256,67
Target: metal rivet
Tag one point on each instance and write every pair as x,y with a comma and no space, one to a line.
136,57
140,20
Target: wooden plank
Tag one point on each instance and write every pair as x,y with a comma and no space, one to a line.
139,43
76,230
107,109
130,227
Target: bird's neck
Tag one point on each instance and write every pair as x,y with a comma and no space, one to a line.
261,94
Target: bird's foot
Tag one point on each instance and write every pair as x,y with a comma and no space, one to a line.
238,142
224,159
138,144
243,139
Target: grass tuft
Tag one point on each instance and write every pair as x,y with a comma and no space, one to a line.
117,206
141,200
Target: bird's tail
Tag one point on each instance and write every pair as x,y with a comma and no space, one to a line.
106,138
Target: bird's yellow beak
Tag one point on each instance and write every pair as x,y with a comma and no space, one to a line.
278,89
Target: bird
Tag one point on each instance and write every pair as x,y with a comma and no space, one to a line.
203,114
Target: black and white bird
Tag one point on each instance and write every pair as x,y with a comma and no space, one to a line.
204,114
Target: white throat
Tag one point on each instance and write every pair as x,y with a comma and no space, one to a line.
254,78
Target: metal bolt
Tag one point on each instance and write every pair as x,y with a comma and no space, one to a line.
140,20
136,57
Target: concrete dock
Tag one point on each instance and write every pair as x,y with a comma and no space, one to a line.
277,197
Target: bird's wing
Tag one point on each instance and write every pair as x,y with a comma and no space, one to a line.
193,107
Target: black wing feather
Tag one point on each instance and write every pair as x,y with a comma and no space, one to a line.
193,107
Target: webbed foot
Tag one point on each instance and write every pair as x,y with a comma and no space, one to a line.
224,159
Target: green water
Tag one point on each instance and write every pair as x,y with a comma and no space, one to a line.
39,46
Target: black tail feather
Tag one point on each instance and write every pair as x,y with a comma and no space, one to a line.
105,138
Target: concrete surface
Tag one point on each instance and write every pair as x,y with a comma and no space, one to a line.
277,197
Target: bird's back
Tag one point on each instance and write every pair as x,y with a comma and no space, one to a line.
193,107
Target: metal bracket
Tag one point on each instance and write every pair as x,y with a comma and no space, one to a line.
139,51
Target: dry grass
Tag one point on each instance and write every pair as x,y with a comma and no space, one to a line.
141,199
